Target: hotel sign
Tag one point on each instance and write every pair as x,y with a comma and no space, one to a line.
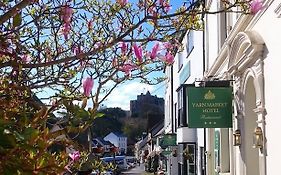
168,140
209,107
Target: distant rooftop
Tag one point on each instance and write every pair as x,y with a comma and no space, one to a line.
101,140
119,134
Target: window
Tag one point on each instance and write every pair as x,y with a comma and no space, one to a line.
189,42
175,119
187,158
181,116
191,156
180,60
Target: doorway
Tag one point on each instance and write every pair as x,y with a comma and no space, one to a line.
249,155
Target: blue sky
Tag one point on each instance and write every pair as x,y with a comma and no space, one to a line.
122,95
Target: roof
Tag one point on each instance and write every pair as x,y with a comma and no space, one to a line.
143,142
156,130
101,140
118,134
157,127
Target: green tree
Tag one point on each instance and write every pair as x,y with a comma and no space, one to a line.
116,112
103,126
134,127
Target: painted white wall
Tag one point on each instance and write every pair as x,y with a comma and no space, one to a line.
168,101
186,134
196,68
212,35
269,27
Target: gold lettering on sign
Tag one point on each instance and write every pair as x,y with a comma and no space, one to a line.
213,110
209,105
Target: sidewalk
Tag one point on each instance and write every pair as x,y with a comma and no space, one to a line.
138,170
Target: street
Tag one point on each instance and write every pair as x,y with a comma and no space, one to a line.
138,170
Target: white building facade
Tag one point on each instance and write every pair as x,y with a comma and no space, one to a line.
186,70
119,140
242,49
246,51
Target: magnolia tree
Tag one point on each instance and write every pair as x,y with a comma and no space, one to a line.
61,47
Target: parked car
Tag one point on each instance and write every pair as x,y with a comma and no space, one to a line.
120,161
131,161
95,172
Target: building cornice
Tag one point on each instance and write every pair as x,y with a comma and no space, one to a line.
244,23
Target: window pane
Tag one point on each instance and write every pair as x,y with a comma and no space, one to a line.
191,149
192,169
190,40
189,44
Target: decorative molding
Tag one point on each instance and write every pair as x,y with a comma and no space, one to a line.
277,11
245,49
260,110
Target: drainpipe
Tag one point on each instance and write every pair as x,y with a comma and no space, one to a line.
204,67
172,100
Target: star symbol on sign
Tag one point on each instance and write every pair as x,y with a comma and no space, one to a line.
215,122
205,123
210,123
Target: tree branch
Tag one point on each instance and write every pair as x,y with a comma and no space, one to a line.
14,10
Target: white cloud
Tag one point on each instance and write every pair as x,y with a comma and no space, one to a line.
122,95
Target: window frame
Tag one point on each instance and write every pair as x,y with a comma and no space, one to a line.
182,119
189,43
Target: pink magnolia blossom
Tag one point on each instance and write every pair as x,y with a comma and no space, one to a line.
255,6
14,73
54,103
66,13
138,52
169,58
127,68
75,156
98,45
154,51
77,50
122,2
166,6
88,86
26,58
90,25
48,53
114,62
65,30
168,45
152,9
123,48
161,2
67,168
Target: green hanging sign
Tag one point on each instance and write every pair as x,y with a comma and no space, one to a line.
209,107
166,153
168,140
